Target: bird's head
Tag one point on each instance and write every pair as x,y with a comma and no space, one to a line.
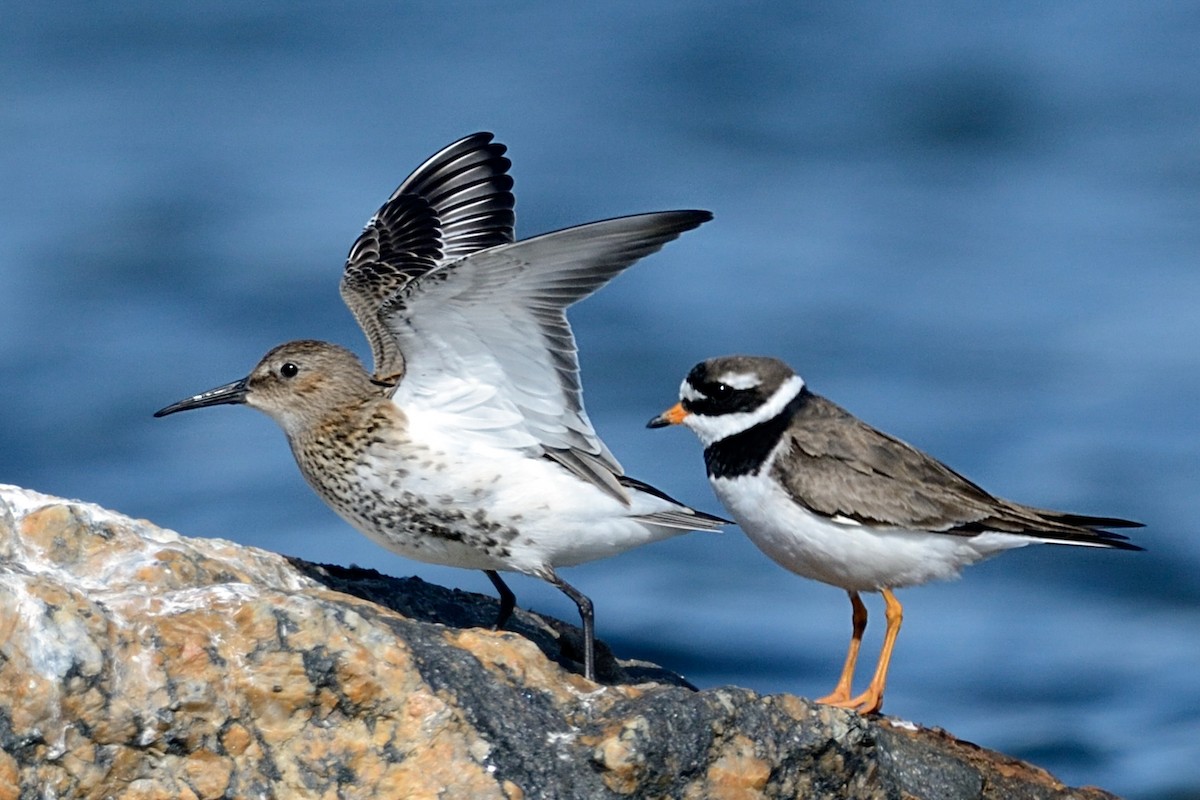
298,384
724,396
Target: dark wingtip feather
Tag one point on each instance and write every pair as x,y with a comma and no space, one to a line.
1123,545
692,217
1085,521
1091,532
696,515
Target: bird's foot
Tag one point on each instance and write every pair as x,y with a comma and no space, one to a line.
869,702
837,696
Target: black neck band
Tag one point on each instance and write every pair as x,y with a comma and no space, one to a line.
745,453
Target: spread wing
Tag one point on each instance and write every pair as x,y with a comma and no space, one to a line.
458,202
841,467
487,345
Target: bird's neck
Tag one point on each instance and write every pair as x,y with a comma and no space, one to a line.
745,452
338,439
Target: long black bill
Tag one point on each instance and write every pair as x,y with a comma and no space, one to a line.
230,393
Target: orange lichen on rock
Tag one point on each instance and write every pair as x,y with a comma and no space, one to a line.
139,664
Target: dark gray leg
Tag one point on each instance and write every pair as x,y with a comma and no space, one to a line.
586,615
508,600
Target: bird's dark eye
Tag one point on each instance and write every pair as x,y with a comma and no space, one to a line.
721,391
289,370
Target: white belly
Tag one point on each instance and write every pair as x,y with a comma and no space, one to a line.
488,508
844,553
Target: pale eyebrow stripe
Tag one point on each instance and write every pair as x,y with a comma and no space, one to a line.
741,380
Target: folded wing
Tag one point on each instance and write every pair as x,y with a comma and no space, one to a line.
849,470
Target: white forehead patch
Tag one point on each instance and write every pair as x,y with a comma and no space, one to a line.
687,392
741,380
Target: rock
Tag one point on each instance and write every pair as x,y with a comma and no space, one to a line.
137,663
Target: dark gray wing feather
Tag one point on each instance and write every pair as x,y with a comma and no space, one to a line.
459,201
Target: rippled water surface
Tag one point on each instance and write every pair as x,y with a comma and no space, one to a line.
975,228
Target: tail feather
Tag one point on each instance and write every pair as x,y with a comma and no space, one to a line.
1088,530
1087,538
1080,529
1052,527
684,517
1085,521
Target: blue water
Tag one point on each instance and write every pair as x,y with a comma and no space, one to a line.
976,226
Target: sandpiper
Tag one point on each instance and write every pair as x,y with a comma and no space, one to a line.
468,445
830,498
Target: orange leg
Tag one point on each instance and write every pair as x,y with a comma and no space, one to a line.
871,701
841,692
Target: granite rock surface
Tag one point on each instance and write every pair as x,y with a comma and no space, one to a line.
138,663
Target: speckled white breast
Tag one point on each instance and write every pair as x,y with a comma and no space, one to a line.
431,496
